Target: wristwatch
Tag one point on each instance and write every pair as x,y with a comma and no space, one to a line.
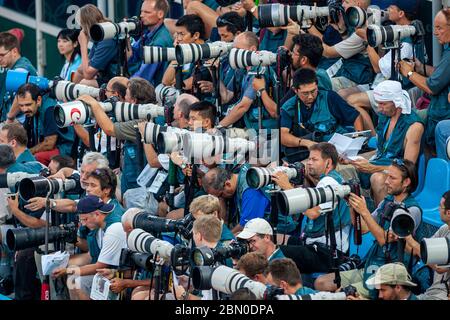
260,91
52,204
252,10
409,74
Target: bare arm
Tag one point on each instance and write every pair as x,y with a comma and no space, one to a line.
359,124
28,220
289,140
48,144
82,133
313,213
237,112
412,142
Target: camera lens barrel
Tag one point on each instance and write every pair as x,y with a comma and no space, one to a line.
435,251
70,113
402,223
240,58
23,238
377,35
68,91
109,30
158,54
124,111
39,187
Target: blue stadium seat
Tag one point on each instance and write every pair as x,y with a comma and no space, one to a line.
420,174
361,250
437,181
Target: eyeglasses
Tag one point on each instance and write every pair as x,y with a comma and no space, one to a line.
2,55
308,93
222,21
400,163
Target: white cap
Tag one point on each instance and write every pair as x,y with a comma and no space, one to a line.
255,226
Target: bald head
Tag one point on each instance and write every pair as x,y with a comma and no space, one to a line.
182,108
247,40
117,86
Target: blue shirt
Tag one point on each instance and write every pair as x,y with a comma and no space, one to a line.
304,290
254,205
277,254
70,67
102,55
339,108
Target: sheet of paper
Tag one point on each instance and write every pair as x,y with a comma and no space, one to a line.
53,261
346,146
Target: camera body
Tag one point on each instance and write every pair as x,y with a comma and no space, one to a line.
390,35
131,259
204,256
44,187
259,177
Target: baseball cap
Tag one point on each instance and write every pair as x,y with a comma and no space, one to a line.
92,203
18,33
255,226
409,6
391,273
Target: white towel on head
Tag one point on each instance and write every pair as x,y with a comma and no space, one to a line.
390,90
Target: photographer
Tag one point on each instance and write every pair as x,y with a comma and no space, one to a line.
156,34
344,51
45,139
139,91
116,87
284,274
100,64
312,250
399,133
105,241
210,205
259,235
206,233
436,84
250,203
313,115
400,183
58,162
254,265
246,108
393,282
361,97
439,290
133,197
306,53
11,59
90,162
15,135
188,29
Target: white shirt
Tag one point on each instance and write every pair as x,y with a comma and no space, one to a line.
111,244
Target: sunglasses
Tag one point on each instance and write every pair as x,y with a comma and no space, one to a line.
222,21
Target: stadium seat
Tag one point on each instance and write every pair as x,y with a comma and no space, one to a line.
361,250
437,181
420,174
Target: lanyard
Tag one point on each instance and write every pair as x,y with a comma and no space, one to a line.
386,143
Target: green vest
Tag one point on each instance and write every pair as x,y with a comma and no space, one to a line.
285,223
272,41
341,214
251,117
27,158
380,255
393,147
94,249
321,121
323,80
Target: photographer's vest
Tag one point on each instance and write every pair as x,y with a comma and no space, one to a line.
356,68
27,158
439,108
66,135
130,167
388,253
271,41
285,223
394,147
341,214
251,117
159,38
6,97
322,123
94,249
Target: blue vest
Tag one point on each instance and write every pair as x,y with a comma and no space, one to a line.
6,98
321,121
94,249
304,290
393,147
271,42
251,117
380,255
130,169
27,158
277,254
341,214
285,223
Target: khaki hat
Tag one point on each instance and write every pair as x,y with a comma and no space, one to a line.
255,226
391,274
